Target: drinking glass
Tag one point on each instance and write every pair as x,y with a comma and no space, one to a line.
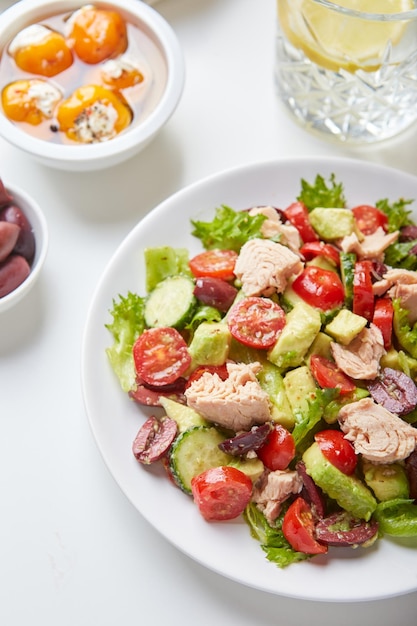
348,69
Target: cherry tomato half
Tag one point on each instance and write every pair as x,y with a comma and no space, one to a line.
221,493
320,288
256,322
220,370
369,218
313,249
298,528
215,263
363,295
297,214
338,450
160,356
383,318
327,374
279,449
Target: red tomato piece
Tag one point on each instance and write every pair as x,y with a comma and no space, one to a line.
327,374
161,356
279,449
313,249
369,218
299,529
256,322
220,370
320,288
297,214
214,263
338,450
221,493
383,318
363,295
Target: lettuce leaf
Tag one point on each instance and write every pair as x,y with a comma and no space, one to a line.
307,422
321,194
397,213
398,255
229,229
128,323
272,540
405,333
397,517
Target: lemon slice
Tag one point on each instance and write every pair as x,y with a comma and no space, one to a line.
335,40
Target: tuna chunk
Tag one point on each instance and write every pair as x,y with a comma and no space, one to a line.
360,358
377,434
273,488
402,284
264,267
237,403
272,228
371,247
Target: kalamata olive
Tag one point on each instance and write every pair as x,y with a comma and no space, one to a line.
408,233
5,197
154,439
341,529
25,244
215,292
244,442
149,395
13,271
411,470
9,234
311,492
378,270
394,390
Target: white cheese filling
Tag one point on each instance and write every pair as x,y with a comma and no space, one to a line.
45,96
30,36
114,68
96,123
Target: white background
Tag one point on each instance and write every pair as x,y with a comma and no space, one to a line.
73,550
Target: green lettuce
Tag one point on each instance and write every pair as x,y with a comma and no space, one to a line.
272,540
128,323
397,517
397,213
398,255
229,229
308,421
405,333
321,194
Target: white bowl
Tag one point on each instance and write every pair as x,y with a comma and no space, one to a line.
132,140
37,220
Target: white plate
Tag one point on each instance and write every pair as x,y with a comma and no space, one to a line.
387,569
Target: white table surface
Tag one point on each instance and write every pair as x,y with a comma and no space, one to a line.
73,550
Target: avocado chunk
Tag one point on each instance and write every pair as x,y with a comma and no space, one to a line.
302,326
320,346
345,326
289,298
271,381
254,468
184,415
331,224
348,491
164,261
387,481
210,344
323,263
300,388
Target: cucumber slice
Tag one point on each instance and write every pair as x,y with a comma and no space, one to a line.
194,451
171,303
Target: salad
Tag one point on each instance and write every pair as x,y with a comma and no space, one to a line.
281,362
